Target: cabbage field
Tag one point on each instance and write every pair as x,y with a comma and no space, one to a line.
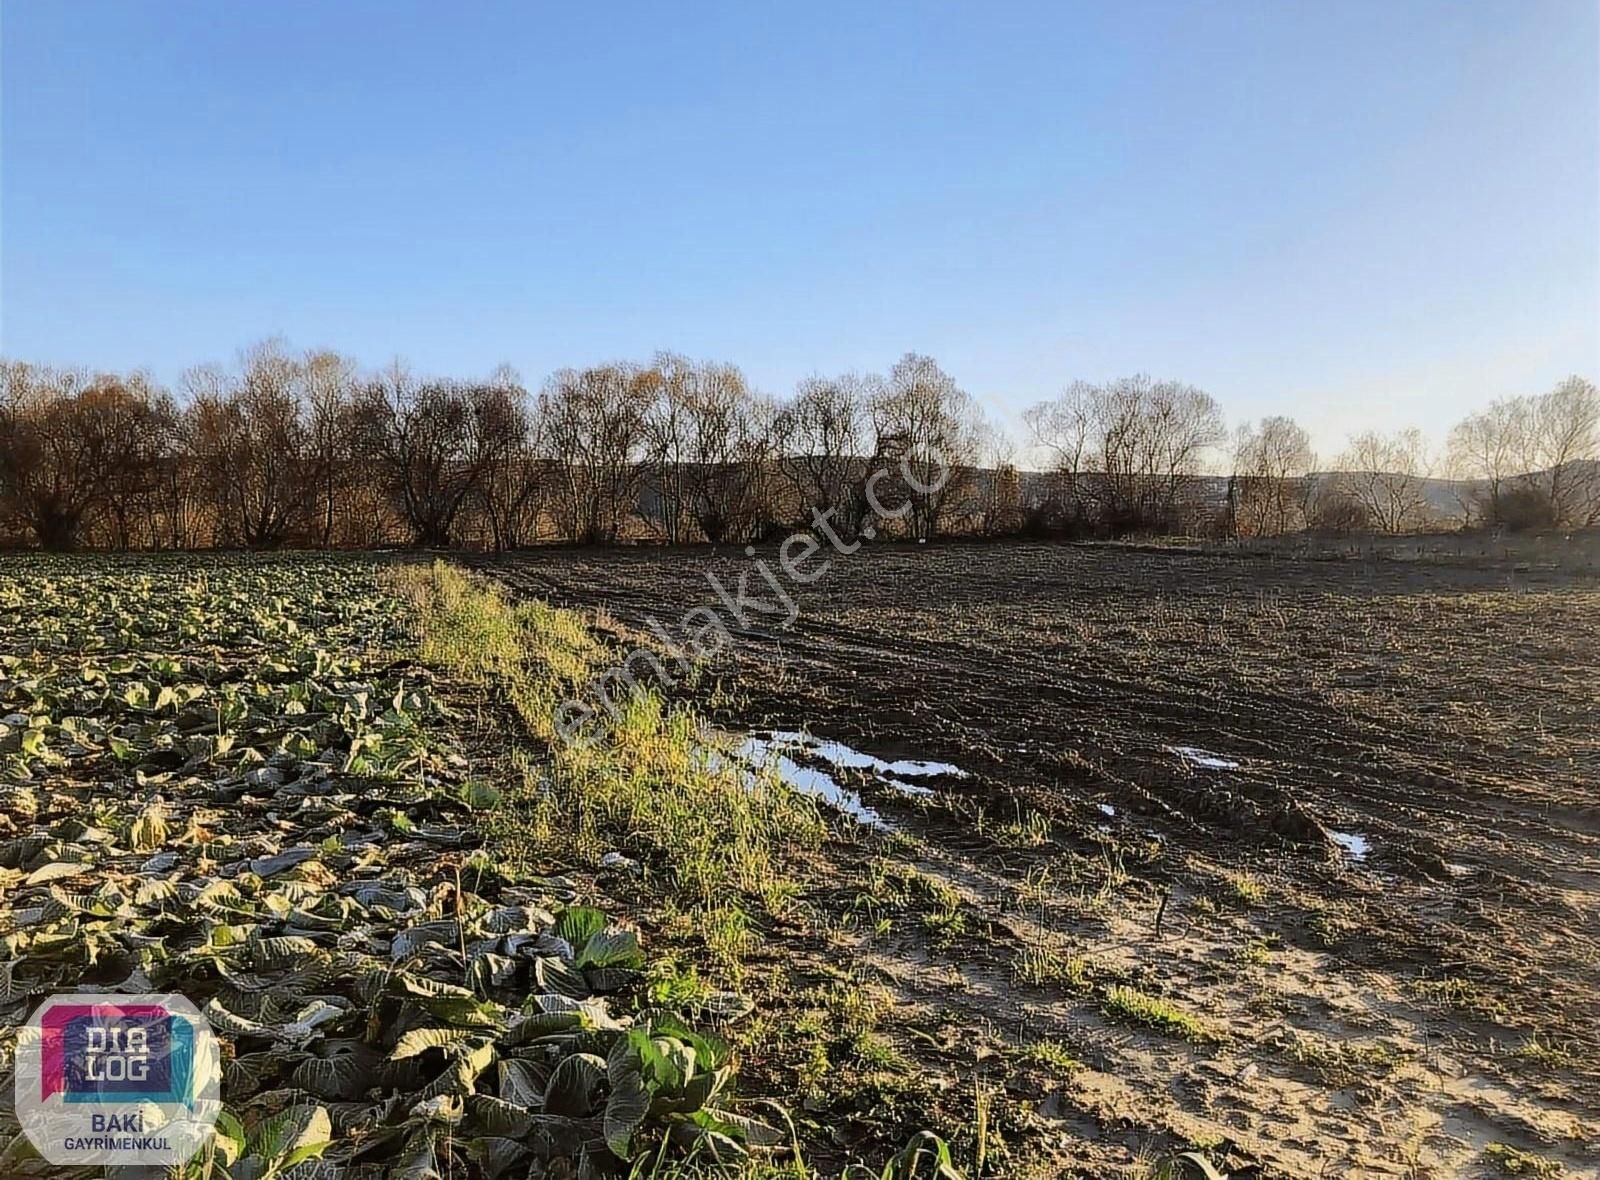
233,779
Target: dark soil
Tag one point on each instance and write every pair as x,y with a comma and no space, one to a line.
1393,1014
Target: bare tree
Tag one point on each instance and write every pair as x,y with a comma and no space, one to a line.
1130,451
709,444
513,487
1538,458
928,428
330,392
594,430
771,494
69,445
1271,462
437,442
1061,428
298,448
182,486
1488,446
669,441
141,421
822,432
1385,474
249,433
698,434
991,503
730,441
1562,454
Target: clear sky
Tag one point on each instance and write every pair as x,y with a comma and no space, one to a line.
1361,213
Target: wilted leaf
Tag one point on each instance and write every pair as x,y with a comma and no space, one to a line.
726,1007
611,948
149,831
496,1155
407,942
625,1113
338,1071
58,870
573,1084
461,1075
420,1040
522,1083
299,1133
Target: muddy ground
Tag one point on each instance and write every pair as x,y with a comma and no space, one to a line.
1343,815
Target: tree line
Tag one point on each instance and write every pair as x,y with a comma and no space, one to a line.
1131,456
306,449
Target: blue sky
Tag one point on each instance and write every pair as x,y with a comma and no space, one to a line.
1360,213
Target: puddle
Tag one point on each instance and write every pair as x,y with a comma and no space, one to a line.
767,753
773,749
915,790
915,768
841,755
1354,843
1195,756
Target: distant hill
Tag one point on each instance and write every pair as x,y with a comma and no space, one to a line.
1448,498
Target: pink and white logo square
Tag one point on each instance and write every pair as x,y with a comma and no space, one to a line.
110,1079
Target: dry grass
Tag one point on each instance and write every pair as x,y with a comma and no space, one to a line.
647,782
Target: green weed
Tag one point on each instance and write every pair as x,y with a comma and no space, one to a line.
1132,1006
